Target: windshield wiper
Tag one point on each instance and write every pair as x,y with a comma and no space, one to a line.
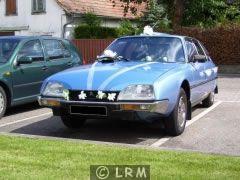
111,59
105,59
122,58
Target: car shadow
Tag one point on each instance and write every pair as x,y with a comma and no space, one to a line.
114,130
96,130
22,109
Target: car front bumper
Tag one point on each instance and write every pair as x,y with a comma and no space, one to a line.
90,109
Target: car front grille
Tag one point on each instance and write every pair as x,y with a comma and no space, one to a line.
92,96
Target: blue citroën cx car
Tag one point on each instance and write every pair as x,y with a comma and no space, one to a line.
149,77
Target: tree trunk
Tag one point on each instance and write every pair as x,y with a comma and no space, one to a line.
179,7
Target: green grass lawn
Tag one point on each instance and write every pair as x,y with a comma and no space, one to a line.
23,158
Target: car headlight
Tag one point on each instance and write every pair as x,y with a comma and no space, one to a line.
137,92
54,89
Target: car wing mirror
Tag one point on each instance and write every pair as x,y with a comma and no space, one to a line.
24,60
199,58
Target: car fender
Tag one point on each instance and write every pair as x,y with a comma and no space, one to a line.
52,80
167,87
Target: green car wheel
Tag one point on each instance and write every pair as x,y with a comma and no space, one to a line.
3,102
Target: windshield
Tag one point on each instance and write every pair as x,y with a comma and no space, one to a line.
7,47
159,49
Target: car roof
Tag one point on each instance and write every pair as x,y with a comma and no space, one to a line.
157,34
15,37
27,37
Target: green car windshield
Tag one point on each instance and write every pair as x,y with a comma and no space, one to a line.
156,49
7,46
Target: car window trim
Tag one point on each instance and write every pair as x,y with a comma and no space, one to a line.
56,58
191,42
195,41
206,55
66,48
41,49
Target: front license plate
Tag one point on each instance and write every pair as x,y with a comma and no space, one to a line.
89,110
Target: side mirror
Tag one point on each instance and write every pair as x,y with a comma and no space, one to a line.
24,60
199,58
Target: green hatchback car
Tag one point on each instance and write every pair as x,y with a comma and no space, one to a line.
25,62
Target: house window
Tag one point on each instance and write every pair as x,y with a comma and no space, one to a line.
38,6
11,7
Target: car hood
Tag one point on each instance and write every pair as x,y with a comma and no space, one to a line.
112,76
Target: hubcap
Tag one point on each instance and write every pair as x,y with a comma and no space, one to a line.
181,112
1,102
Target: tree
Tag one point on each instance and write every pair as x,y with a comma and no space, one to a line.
204,13
175,8
156,15
209,13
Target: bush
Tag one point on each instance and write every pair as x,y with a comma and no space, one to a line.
126,28
91,28
92,20
90,32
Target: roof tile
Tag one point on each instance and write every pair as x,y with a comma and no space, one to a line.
99,7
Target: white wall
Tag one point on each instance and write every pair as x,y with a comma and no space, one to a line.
50,23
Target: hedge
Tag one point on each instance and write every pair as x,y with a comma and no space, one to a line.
92,32
223,43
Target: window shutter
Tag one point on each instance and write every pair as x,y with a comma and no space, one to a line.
11,7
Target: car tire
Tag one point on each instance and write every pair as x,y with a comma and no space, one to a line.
175,123
209,101
3,102
73,122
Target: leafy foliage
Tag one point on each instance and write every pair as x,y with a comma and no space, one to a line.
126,28
130,5
97,32
91,28
203,13
155,16
209,13
91,19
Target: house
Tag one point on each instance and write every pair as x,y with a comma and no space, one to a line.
54,17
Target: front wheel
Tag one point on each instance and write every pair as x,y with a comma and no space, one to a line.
73,122
3,102
176,122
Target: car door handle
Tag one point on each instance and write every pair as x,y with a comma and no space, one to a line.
44,68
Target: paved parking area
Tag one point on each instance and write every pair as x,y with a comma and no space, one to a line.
212,130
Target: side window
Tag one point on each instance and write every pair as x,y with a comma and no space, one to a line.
55,49
32,49
204,48
191,49
66,52
199,48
